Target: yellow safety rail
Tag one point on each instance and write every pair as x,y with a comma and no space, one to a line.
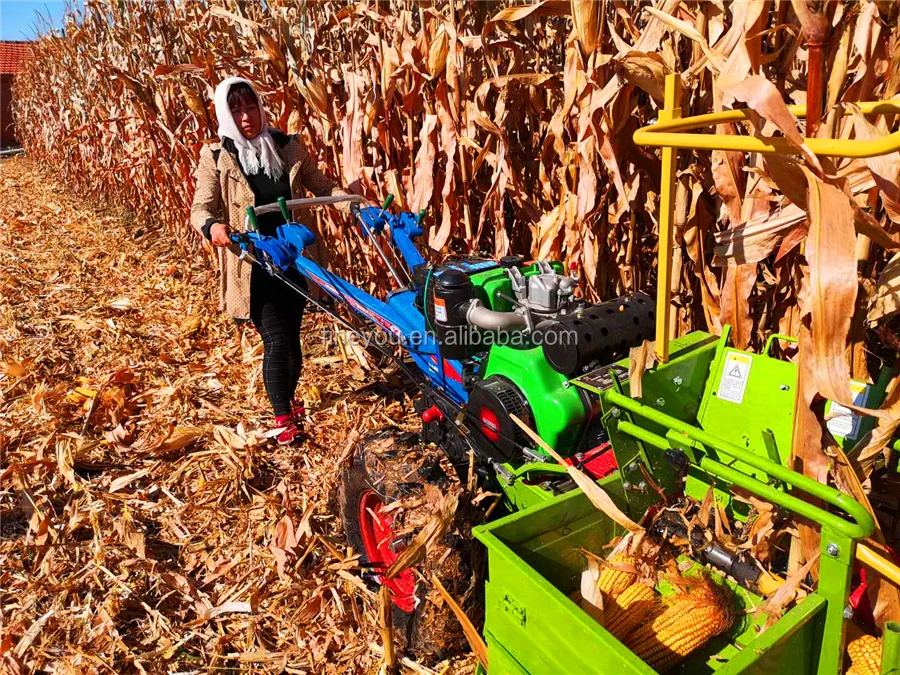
660,135
668,134
879,563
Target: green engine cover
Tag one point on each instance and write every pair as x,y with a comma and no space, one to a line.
558,408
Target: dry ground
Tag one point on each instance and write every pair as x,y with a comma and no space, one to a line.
147,524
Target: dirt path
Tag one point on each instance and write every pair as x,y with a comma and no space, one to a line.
147,526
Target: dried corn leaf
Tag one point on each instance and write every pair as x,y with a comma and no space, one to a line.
640,359
437,526
885,302
598,496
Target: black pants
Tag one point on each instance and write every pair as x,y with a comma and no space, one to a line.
276,310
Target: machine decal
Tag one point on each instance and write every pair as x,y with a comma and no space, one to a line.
378,320
844,422
440,309
734,377
449,370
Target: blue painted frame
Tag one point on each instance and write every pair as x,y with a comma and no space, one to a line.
397,316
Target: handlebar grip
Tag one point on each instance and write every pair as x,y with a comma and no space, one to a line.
251,216
354,209
387,202
420,216
282,204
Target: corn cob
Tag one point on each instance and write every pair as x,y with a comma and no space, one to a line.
865,653
683,627
629,609
613,580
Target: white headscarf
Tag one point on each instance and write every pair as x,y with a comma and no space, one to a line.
255,154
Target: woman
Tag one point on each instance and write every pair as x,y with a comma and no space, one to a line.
253,165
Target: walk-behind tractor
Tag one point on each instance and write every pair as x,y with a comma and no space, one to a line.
513,369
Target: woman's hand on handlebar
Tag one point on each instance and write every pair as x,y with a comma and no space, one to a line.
220,234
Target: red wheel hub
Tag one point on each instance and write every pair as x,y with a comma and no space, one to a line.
378,538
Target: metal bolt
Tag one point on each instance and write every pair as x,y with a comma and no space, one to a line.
627,486
566,384
848,612
660,402
784,387
642,486
615,412
677,380
579,456
833,550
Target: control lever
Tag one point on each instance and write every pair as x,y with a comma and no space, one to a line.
356,214
282,206
387,202
251,218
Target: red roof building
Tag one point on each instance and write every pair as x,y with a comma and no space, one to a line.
12,55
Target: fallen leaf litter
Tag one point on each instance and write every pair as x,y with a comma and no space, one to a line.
147,523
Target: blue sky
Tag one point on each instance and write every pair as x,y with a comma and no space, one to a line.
18,18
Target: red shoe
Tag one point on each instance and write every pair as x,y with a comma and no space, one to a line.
290,432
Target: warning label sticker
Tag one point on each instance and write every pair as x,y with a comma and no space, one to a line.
845,422
440,309
734,377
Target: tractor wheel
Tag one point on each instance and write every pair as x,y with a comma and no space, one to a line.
388,493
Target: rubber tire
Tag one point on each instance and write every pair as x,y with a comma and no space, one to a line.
431,632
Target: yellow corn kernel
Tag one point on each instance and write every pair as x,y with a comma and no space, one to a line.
863,668
629,609
683,627
613,579
865,653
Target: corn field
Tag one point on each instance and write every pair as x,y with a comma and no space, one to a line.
512,125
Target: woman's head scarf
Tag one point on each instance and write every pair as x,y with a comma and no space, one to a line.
255,154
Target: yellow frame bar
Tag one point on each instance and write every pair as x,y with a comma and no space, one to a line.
878,562
668,134
664,134
670,114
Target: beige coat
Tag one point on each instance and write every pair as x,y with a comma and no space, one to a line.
223,193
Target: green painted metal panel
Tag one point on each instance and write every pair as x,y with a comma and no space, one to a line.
534,565
890,651
787,645
674,388
746,396
837,556
557,407
501,661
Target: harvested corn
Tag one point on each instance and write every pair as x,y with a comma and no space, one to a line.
865,654
619,575
630,609
687,624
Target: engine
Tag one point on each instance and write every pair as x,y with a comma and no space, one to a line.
523,335
465,297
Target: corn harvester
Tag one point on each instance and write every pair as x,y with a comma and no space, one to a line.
512,367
